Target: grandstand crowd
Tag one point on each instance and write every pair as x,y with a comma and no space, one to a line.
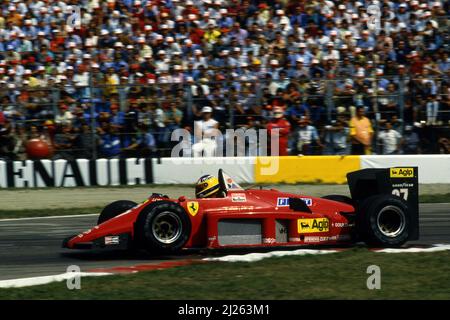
114,78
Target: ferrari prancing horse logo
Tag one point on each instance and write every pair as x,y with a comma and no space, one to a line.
192,207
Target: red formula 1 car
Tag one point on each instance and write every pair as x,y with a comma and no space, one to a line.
382,211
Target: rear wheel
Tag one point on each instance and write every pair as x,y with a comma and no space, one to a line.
163,227
114,209
383,220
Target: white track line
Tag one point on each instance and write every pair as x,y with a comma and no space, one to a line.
52,217
435,248
252,257
34,281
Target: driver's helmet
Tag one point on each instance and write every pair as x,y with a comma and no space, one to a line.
207,186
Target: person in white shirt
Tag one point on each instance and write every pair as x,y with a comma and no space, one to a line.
432,108
389,139
205,131
64,117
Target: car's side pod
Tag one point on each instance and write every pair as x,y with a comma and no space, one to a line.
402,182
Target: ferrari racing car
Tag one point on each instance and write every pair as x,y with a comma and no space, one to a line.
382,211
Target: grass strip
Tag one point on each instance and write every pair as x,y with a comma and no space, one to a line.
334,276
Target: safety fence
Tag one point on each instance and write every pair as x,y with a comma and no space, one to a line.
152,109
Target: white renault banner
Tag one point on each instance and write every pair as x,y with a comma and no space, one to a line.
75,173
432,168
111,172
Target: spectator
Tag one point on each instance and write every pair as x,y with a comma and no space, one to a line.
336,137
7,142
146,142
217,100
20,137
117,118
389,139
172,121
64,142
444,146
307,137
109,141
64,116
112,80
279,128
410,142
432,108
297,110
204,133
2,117
361,133
85,142
143,144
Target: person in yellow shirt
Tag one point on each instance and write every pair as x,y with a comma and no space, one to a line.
2,21
112,80
14,18
361,133
32,81
212,34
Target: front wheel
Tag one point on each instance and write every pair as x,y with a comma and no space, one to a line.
383,220
114,209
163,227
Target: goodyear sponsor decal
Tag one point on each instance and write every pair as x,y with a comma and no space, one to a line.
192,207
402,173
284,202
403,185
313,225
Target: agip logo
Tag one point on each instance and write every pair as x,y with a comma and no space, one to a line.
402,173
313,225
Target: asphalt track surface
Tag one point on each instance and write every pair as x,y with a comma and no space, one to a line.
32,247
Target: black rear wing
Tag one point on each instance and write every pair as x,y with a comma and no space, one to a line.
402,182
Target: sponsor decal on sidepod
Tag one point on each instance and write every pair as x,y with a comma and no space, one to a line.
238,197
284,202
343,237
112,240
313,225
